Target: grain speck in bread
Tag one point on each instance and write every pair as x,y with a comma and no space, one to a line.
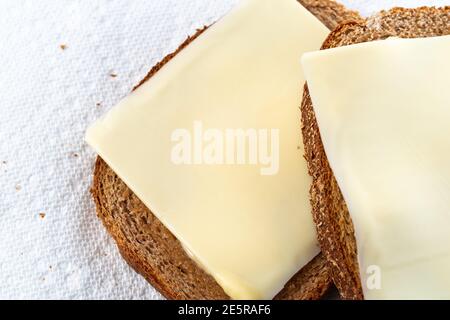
149,248
333,221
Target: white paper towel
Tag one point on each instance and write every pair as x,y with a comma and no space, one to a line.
63,65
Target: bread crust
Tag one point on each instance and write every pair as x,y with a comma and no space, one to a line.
333,222
151,250
330,13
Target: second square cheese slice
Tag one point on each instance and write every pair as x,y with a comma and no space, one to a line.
383,109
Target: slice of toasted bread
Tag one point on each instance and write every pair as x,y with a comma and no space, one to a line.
149,247
333,221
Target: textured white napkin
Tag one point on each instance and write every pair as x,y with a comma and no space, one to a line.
63,65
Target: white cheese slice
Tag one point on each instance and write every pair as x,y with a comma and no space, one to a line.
247,223
383,110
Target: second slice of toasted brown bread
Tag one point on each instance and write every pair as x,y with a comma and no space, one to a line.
149,247
333,221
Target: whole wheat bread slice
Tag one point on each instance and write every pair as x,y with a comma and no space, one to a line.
333,221
149,247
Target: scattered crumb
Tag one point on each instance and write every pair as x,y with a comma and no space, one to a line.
63,47
43,278
4,162
298,147
18,187
42,215
50,267
75,155
98,104
113,75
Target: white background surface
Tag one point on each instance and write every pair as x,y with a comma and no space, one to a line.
48,96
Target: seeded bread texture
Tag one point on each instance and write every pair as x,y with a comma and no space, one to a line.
149,247
333,221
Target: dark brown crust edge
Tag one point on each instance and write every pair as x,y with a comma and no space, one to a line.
333,221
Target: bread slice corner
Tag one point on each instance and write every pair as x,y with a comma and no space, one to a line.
330,13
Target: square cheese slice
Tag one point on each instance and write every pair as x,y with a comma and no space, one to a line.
244,216
383,109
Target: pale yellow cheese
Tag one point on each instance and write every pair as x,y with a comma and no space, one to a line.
247,224
383,110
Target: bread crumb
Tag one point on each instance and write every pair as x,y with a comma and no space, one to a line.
50,267
98,104
42,215
4,162
113,75
75,155
18,187
63,47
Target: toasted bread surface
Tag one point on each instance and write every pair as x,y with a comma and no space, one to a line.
333,221
150,248
331,13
